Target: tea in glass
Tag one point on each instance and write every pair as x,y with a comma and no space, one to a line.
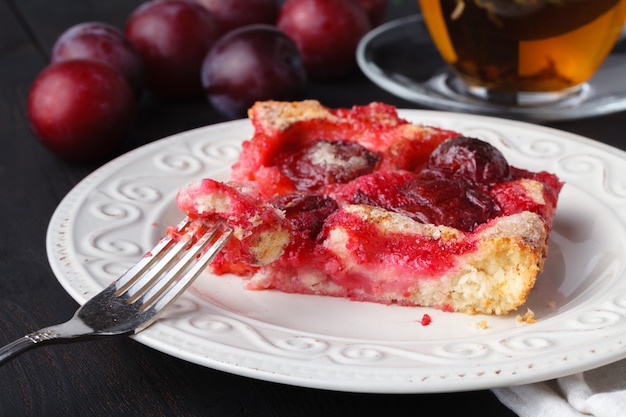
540,49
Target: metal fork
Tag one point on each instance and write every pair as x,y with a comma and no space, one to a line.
135,300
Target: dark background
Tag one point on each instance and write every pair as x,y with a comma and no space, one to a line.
120,377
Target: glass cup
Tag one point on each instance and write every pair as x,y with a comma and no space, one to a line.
524,51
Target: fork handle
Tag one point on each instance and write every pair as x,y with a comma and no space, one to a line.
24,343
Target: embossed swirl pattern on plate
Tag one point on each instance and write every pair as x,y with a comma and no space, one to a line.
122,201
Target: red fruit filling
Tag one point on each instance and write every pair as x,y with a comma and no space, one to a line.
470,159
465,182
373,208
306,212
317,164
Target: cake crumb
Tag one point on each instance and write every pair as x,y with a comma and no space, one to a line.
482,325
529,317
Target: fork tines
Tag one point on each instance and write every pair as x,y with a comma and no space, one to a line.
172,265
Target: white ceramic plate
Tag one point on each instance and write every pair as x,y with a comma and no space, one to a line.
120,211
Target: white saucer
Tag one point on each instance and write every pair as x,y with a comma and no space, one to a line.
400,57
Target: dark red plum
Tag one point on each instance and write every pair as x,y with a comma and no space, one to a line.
101,42
172,38
326,32
249,64
82,110
233,14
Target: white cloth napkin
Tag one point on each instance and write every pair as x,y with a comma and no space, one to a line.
599,393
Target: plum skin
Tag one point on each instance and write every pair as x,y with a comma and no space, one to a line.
101,42
249,64
470,158
233,14
81,109
326,32
172,38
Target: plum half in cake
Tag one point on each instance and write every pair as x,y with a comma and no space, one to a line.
362,204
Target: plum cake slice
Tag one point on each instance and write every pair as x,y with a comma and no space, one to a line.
360,203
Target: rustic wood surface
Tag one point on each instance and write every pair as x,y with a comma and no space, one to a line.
120,377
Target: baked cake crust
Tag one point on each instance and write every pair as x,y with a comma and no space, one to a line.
323,202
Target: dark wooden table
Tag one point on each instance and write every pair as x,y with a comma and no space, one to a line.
115,377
